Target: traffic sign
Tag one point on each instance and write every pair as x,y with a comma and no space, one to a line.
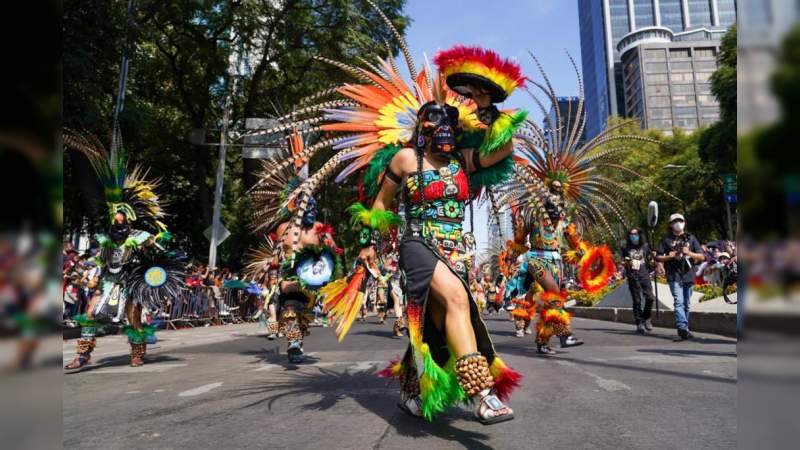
729,183
730,198
222,233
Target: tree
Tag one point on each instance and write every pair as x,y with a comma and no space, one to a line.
179,58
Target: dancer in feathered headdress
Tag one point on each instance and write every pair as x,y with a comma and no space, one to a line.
300,246
557,188
439,147
137,270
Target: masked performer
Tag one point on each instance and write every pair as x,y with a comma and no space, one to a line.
306,251
137,271
436,149
559,189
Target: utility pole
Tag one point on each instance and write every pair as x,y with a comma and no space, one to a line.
217,228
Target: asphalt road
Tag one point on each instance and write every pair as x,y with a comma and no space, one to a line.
227,387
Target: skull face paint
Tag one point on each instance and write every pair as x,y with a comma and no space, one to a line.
438,124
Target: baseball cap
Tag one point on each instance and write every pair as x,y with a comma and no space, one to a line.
676,216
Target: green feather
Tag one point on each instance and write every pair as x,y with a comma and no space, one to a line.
376,166
84,320
138,336
502,131
378,219
439,388
492,175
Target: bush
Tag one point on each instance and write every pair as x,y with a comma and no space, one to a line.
711,291
585,298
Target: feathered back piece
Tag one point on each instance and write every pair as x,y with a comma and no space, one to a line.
125,191
555,153
478,66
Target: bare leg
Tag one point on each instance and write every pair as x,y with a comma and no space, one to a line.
449,293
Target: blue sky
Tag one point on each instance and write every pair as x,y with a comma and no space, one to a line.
510,27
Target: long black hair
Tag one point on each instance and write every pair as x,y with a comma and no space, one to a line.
641,237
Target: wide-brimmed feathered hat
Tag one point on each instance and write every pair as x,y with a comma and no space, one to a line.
476,66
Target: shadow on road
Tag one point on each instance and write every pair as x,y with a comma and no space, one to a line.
365,388
681,352
122,360
274,356
665,337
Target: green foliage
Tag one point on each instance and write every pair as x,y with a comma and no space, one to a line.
178,80
711,292
586,298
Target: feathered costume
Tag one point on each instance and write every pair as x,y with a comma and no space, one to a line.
309,267
138,271
367,127
551,214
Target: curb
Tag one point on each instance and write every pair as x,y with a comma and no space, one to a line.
701,321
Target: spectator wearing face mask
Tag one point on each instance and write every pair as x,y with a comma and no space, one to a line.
680,251
637,259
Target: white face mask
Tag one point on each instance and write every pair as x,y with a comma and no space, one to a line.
678,226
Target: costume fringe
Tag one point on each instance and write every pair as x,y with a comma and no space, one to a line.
502,131
343,298
593,279
378,219
506,379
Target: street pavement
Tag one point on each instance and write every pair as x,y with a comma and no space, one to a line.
229,387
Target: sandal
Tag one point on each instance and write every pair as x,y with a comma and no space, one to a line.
490,410
412,407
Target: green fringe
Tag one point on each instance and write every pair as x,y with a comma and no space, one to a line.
138,336
164,236
374,218
470,139
439,388
376,166
492,175
501,131
84,320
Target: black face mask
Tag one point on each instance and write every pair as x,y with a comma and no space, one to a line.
439,125
119,231
488,115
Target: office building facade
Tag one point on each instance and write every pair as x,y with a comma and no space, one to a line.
605,23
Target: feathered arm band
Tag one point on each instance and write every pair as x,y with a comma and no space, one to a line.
371,220
501,131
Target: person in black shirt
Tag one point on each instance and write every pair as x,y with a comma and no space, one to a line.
637,259
680,251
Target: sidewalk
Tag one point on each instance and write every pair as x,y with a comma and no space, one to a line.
712,316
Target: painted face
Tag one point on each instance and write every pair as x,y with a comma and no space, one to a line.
310,217
437,124
120,229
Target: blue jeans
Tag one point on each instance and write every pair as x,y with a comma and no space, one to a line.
681,296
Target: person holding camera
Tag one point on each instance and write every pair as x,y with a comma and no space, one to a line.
637,260
680,251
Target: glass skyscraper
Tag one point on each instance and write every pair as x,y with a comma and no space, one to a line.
605,23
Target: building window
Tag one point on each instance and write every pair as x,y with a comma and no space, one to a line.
681,77
685,111
672,14
705,65
688,124
709,112
655,54
659,113
726,9
658,101
706,99
700,13
658,89
676,53
683,100
680,66
702,76
683,89
705,53
655,67
644,13
663,124
657,78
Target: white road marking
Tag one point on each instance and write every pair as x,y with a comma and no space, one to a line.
161,367
200,390
134,392
606,384
159,390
